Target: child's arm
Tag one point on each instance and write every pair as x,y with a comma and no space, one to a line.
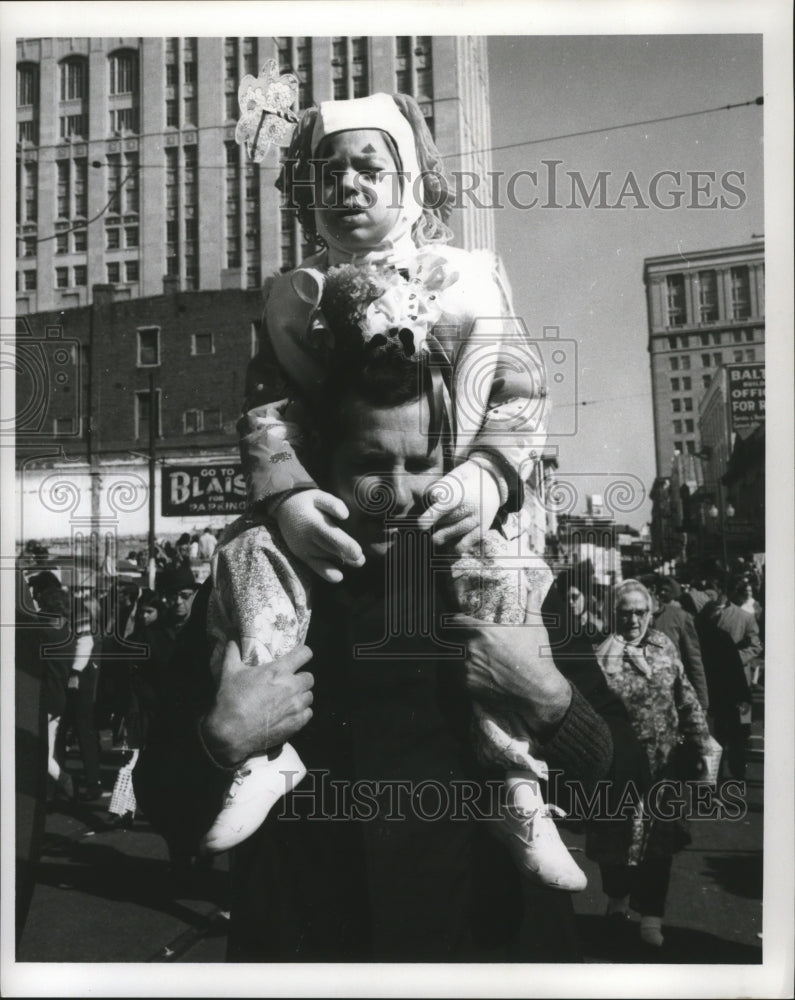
272,438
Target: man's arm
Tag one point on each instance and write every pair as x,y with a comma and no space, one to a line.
198,734
690,649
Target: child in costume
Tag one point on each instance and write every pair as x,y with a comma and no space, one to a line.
378,202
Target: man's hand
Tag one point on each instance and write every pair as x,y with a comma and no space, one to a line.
258,706
307,520
464,505
504,670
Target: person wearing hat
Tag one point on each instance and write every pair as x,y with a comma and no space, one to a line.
672,620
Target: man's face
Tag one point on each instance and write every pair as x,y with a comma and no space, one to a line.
665,593
181,603
575,600
383,469
357,189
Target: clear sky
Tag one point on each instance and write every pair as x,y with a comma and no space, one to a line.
581,269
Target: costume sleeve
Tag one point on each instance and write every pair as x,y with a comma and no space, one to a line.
691,659
271,440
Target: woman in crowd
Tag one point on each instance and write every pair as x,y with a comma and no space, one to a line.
578,594
642,667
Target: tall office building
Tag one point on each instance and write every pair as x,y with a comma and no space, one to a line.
706,309
128,172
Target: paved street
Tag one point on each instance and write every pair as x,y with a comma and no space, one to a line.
105,896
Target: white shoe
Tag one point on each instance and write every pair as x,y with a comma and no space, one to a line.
256,787
529,831
651,931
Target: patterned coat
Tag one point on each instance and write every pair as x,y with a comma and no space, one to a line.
664,709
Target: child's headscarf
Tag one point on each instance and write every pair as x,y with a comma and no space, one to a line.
378,112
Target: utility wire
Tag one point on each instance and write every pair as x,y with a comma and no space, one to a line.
485,149
609,128
87,222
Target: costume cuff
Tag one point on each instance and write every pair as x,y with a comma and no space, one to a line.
505,475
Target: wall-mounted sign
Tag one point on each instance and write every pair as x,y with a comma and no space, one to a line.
215,488
746,387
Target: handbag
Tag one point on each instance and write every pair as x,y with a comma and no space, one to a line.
692,763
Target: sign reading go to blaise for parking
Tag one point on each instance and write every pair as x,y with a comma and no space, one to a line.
746,388
218,488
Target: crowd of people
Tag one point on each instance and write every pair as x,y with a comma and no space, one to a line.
380,543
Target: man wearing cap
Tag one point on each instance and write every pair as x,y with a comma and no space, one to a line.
672,620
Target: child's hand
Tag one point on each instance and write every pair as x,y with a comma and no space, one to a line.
465,503
307,522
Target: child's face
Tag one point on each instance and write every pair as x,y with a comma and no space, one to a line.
357,189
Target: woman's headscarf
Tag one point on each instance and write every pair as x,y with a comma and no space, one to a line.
615,650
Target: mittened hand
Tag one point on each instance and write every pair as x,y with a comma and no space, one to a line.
308,523
464,504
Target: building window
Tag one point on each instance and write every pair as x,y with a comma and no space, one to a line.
74,79
190,111
691,447
684,341
123,72
201,420
114,183
30,200
148,346
674,385
707,296
688,404
359,67
62,209
131,271
676,405
339,68
674,363
202,343
27,131
79,239
706,360
131,236
686,363
172,77
750,354
172,113
686,384
29,281
62,243
738,355
192,420
27,86
716,338
749,335
689,426
704,339
123,120
113,270
403,64
672,343
677,426
80,275
61,277
678,446
705,380
142,415
675,299
81,187
232,205
740,293
131,184
64,425
112,241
